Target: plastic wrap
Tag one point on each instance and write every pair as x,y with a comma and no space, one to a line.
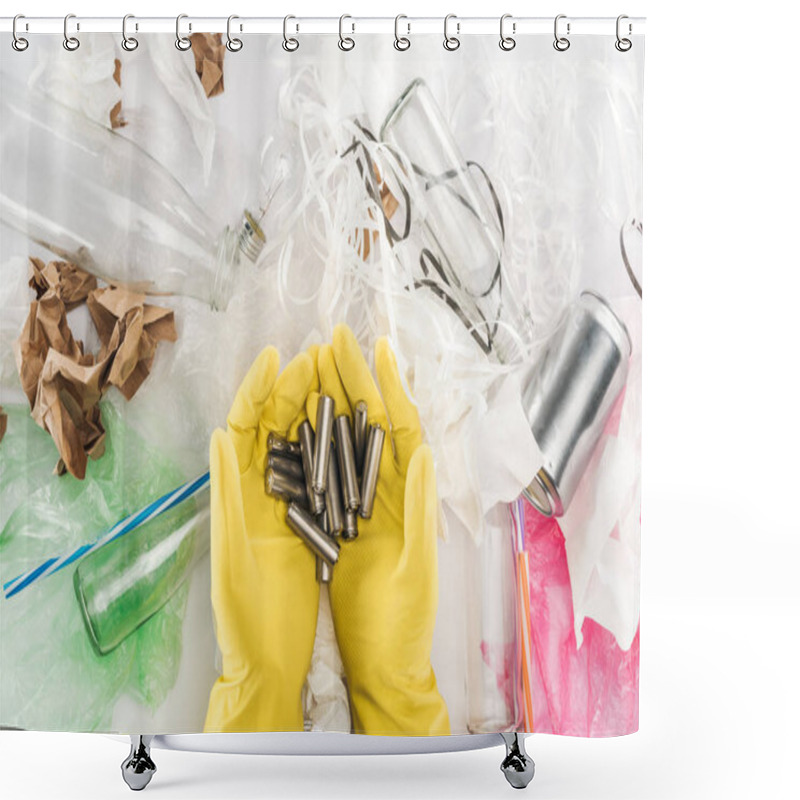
66,685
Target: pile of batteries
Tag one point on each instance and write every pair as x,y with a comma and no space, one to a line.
326,493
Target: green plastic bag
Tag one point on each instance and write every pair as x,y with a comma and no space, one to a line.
52,678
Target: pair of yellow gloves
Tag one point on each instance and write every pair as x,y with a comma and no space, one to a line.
264,590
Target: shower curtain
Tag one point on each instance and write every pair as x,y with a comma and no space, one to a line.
320,384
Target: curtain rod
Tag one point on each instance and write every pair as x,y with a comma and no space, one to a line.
461,26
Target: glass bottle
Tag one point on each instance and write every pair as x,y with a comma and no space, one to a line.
126,581
492,629
94,197
460,230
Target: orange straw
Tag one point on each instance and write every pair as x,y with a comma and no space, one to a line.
524,616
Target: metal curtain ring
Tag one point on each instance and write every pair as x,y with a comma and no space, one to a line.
507,42
129,43
623,44
401,42
19,43
290,44
346,42
71,43
181,42
451,42
561,43
233,44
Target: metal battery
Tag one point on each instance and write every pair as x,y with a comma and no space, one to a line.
303,524
306,435
568,396
324,571
288,465
360,434
333,499
347,464
350,530
278,444
369,477
279,484
322,444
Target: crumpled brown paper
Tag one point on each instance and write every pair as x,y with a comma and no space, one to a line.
129,333
209,53
3,423
64,384
65,280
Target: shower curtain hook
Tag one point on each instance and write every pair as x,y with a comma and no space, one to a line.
233,44
507,42
561,43
451,42
290,44
129,43
182,42
401,42
346,42
623,44
71,43
19,43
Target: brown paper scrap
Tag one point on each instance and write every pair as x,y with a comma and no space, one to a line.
129,332
59,286
64,384
209,53
67,407
390,205
70,283
115,115
3,423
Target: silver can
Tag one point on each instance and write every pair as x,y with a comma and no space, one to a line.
568,396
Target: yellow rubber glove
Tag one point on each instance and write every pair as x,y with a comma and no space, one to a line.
263,583
384,591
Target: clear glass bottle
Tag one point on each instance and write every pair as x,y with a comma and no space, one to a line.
492,629
123,583
94,197
460,233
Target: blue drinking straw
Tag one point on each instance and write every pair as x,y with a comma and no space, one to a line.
126,525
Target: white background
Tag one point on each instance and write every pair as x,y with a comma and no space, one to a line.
720,695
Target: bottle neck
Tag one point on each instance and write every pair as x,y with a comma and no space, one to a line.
248,240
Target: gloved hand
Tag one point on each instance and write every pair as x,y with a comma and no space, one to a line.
384,591
263,585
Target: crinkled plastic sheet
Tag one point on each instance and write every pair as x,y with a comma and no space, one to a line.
64,683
